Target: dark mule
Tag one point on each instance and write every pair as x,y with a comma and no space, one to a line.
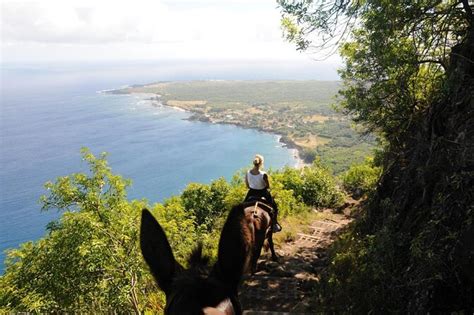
190,291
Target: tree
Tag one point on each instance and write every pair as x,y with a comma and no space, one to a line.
90,260
396,53
206,202
361,178
408,76
314,185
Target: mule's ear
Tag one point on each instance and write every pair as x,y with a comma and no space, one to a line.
234,249
157,251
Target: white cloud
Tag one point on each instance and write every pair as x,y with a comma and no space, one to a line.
82,22
142,29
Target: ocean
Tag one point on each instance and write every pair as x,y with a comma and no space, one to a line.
49,112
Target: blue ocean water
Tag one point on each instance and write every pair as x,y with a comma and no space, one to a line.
48,113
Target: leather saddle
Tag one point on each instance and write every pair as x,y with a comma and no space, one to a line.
259,201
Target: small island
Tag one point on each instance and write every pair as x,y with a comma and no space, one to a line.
300,111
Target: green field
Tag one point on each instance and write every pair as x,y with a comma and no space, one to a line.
301,111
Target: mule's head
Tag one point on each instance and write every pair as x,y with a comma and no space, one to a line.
190,291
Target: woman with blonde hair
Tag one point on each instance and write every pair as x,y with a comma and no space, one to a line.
258,185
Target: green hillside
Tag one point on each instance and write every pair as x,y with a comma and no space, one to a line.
301,111
89,261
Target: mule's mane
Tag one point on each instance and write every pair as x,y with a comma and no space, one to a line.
197,285
235,251
196,259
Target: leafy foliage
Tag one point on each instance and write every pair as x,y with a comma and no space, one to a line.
360,265
288,203
339,158
408,76
206,202
90,261
314,185
319,188
361,179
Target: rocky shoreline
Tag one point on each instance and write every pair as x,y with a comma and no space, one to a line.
197,115
298,112
284,140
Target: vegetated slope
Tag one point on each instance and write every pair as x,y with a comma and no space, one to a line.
430,186
409,76
89,259
414,249
246,93
300,111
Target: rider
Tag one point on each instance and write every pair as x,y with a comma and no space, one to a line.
258,185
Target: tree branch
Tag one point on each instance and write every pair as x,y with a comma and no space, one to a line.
439,62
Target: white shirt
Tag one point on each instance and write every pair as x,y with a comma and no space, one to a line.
256,181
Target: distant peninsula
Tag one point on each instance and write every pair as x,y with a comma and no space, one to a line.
300,111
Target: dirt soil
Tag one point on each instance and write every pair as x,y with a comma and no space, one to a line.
285,287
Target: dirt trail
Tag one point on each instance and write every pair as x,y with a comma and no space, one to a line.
284,287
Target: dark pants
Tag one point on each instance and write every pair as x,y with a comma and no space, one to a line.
259,193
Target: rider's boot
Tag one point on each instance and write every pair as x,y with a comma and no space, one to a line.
276,227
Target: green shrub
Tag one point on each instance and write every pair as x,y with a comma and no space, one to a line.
206,202
236,195
319,188
356,279
314,185
90,260
287,203
292,179
361,179
178,224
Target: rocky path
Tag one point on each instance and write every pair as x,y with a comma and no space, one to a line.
284,287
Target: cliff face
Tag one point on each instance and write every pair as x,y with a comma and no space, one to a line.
425,197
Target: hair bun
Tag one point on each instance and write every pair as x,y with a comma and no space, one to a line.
258,160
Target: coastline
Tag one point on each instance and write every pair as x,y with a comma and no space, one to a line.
286,142
156,101
299,111
300,163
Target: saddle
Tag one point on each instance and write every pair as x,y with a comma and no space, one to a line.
259,202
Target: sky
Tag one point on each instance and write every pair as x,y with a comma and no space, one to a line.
70,30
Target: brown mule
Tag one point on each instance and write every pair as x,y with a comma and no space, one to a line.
259,216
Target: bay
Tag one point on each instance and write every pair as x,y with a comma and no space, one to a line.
49,113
